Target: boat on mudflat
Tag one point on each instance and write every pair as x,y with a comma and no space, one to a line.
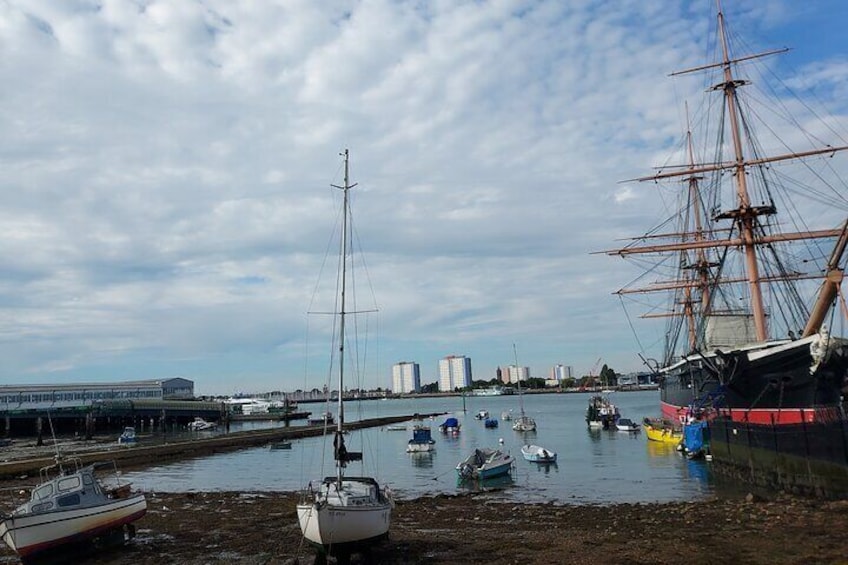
344,513
751,268
72,504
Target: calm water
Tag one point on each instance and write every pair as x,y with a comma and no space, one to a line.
593,466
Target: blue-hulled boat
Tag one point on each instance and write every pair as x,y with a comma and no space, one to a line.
484,464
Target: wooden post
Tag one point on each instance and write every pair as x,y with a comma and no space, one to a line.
89,426
38,425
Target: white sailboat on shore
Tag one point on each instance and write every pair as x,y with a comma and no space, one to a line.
344,513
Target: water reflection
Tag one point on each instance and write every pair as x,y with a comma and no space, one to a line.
422,459
485,485
546,467
597,467
660,449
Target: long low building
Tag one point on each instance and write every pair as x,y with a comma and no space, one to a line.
14,398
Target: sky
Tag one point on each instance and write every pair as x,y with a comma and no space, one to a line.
166,206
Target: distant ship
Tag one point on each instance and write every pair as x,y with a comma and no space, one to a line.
491,391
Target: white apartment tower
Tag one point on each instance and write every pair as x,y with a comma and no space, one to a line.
561,372
518,373
406,377
454,372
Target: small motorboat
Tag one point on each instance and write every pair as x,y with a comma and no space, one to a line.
537,454
627,425
128,436
662,430
421,440
491,423
481,415
71,504
199,425
449,426
484,464
506,415
325,419
282,444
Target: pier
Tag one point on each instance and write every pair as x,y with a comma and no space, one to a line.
197,447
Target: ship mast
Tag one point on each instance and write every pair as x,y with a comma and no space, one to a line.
745,215
701,266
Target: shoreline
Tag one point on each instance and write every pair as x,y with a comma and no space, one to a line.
253,528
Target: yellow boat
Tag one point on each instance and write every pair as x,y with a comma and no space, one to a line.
662,431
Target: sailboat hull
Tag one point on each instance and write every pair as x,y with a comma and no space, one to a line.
357,514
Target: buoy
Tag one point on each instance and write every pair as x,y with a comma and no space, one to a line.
500,441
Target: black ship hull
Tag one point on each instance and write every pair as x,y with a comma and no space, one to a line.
780,382
804,458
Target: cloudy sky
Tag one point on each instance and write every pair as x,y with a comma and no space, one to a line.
165,172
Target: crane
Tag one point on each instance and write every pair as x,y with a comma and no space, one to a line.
591,380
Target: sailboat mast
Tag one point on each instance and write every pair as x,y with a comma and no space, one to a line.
340,423
745,214
518,376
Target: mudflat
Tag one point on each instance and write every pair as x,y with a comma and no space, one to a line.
261,528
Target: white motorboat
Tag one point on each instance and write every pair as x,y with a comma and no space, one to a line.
627,425
506,415
422,440
538,454
481,414
484,464
344,513
128,437
199,425
71,504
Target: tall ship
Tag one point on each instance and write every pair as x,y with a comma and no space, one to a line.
752,287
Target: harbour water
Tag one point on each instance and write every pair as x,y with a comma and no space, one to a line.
593,467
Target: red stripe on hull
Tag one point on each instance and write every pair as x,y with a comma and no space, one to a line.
82,536
765,416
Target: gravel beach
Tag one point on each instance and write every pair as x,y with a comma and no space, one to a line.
261,528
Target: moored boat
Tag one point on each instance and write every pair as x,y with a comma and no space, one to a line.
523,423
128,436
481,415
491,423
484,464
538,454
626,425
450,426
71,504
601,413
199,425
662,430
421,440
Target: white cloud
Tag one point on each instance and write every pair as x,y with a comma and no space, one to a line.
165,199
